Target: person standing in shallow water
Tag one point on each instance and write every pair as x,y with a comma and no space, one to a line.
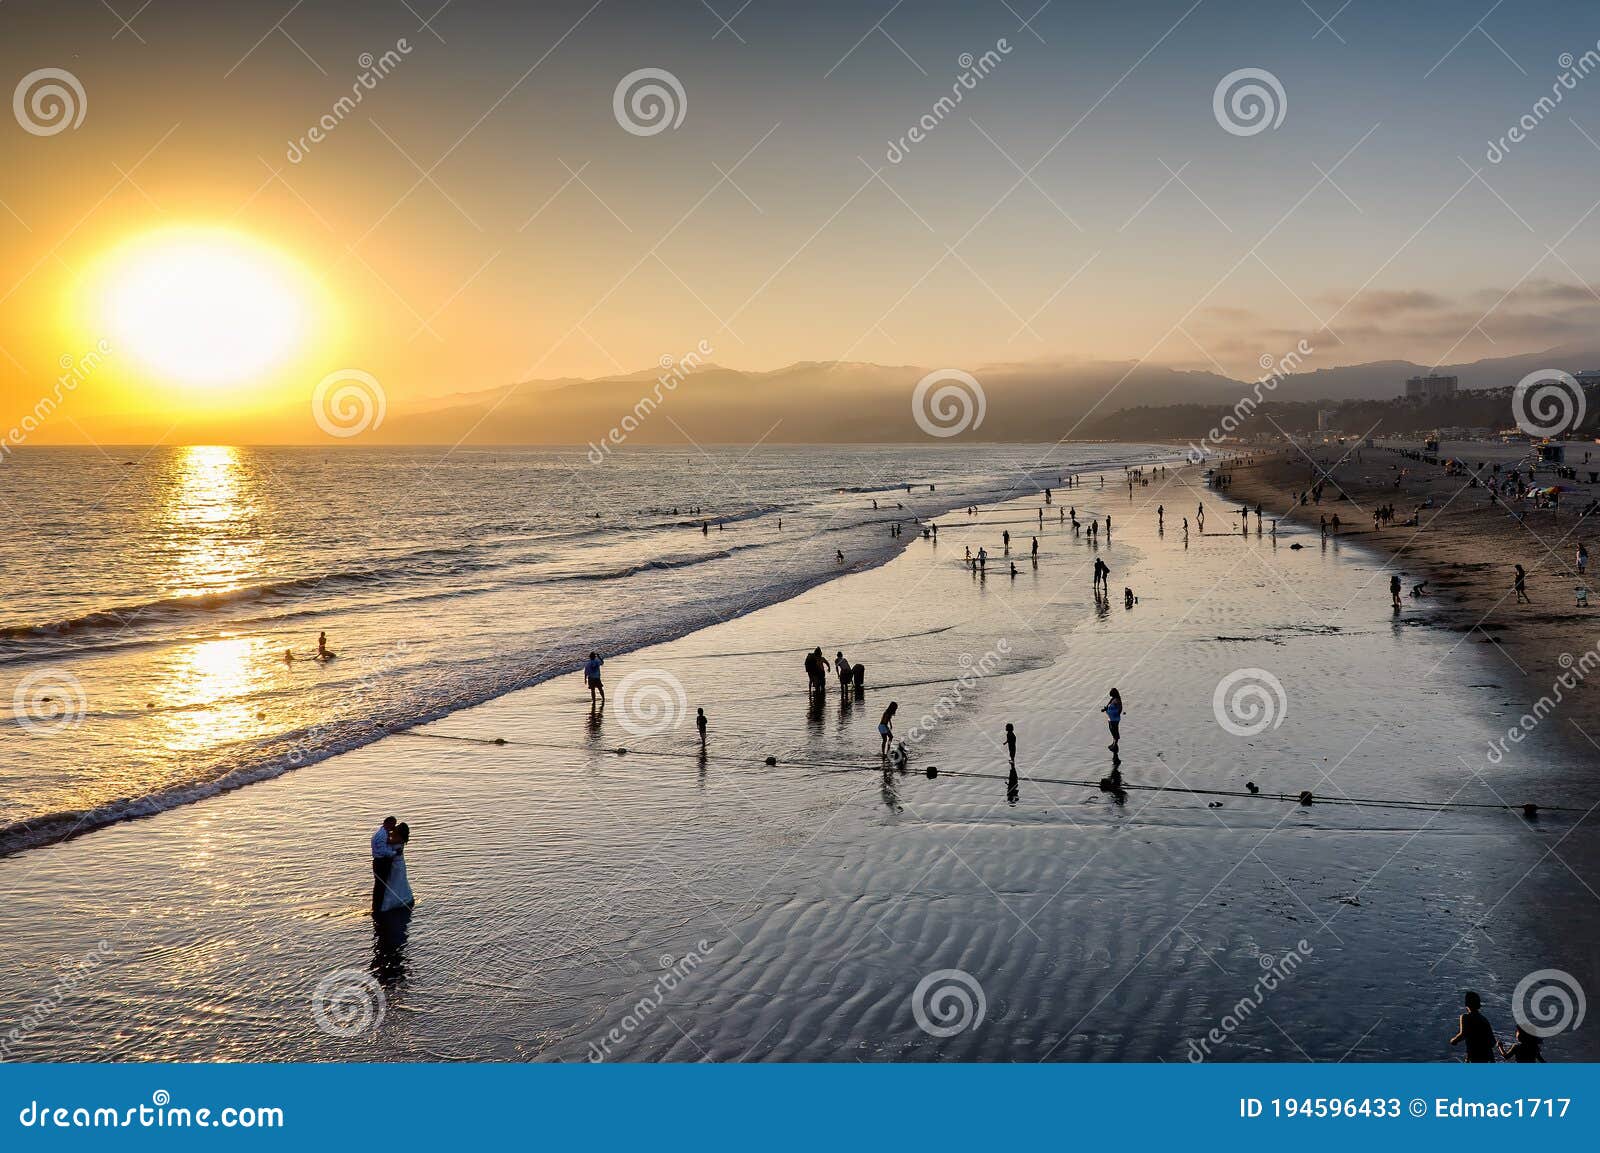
886,728
1011,744
1475,1031
700,724
591,678
1113,712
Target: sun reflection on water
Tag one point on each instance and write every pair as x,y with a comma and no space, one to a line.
207,516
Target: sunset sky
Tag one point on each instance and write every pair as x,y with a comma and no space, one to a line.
483,217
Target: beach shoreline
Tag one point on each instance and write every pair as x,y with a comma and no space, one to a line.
589,881
1466,551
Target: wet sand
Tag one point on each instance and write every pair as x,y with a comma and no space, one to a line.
1466,549
576,902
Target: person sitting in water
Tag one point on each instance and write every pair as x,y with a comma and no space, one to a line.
288,656
322,648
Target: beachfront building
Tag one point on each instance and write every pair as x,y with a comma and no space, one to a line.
1430,387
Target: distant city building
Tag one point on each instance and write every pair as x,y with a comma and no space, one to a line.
1424,388
1325,419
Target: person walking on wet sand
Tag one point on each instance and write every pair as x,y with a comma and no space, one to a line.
700,724
1035,550
1161,517
1520,584
1011,744
1526,1050
1005,539
1113,712
886,728
591,678
1200,518
1394,590
1476,1032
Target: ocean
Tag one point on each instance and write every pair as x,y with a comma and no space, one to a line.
153,594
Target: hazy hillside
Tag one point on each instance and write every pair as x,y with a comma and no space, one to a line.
838,402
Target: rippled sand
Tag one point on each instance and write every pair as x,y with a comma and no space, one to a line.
575,902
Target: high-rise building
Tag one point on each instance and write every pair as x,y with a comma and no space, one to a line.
1431,387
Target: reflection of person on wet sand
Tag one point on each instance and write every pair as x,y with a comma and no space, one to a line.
1476,1031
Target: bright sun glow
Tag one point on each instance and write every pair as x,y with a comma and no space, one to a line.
202,306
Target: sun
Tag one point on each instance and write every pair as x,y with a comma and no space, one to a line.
202,306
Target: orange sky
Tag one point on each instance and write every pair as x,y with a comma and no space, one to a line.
483,216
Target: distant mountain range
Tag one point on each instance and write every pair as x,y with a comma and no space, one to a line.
843,402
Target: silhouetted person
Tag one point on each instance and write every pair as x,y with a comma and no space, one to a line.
1035,550
1394,590
1113,711
841,669
1527,1049
1475,1031
382,860
700,723
591,678
1011,746
1520,584
886,727
858,677
1005,539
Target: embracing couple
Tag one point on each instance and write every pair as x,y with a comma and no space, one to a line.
390,889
